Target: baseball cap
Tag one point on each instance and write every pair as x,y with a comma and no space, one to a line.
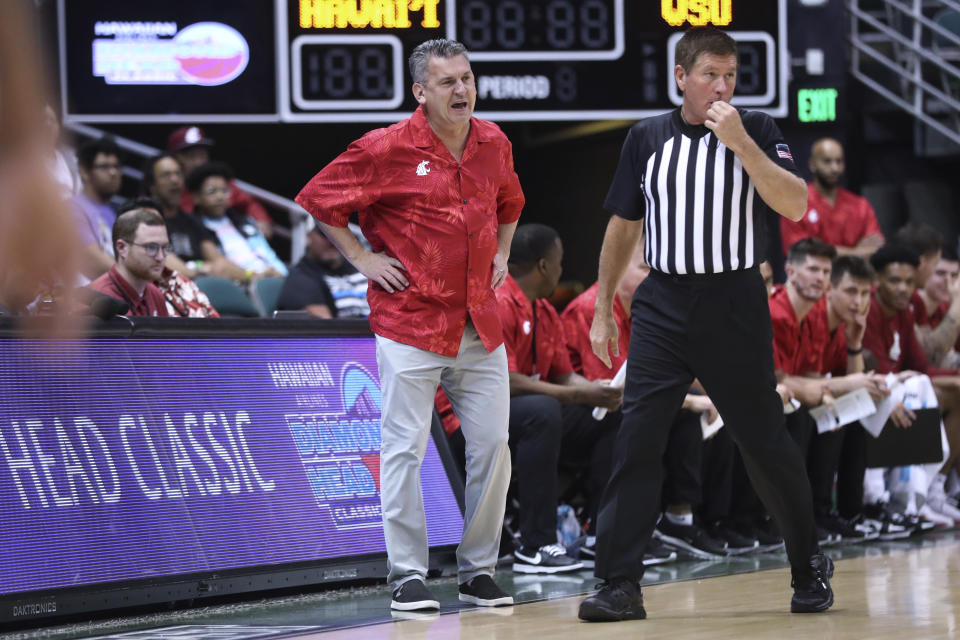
188,137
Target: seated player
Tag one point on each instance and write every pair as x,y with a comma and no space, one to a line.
936,309
550,404
682,491
891,342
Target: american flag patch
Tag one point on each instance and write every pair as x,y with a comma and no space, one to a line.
784,152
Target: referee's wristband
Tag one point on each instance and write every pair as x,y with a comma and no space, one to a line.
854,352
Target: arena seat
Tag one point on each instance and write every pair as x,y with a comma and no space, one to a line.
265,293
227,297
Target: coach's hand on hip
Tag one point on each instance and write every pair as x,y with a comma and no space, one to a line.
382,269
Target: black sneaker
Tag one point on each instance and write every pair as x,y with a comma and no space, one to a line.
737,543
657,553
827,538
551,558
847,531
482,591
870,531
690,538
767,538
413,595
617,599
890,524
812,592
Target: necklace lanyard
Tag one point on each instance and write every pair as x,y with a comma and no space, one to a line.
534,336
122,292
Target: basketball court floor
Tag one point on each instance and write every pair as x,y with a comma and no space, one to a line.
902,590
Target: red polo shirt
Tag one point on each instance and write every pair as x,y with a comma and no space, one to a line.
577,318
438,217
842,224
797,346
520,329
114,285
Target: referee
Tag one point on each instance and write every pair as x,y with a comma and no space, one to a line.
698,181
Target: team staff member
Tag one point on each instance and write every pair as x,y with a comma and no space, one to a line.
438,201
700,179
140,244
836,216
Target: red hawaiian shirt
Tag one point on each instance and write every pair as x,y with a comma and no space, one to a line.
183,297
843,224
536,344
577,318
438,217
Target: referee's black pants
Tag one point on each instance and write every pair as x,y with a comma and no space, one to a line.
715,328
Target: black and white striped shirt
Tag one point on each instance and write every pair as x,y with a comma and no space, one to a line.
702,211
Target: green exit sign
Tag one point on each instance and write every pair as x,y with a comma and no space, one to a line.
817,105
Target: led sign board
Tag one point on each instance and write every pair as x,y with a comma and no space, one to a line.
346,60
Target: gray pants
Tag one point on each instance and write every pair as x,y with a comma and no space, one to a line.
478,386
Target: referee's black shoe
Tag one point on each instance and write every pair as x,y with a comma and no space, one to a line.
617,599
811,589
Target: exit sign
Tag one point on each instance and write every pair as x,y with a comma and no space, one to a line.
817,105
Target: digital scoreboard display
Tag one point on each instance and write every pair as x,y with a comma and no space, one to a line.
145,458
346,60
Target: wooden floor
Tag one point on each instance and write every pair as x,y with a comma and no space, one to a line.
904,596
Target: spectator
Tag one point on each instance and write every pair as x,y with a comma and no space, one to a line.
324,283
140,243
195,250
99,163
550,404
192,149
682,487
834,215
61,161
936,309
183,297
238,237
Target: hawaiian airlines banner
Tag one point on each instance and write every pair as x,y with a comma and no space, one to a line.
124,459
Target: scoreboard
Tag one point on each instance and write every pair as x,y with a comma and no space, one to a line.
346,60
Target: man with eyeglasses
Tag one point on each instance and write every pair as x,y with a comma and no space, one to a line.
141,245
99,165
